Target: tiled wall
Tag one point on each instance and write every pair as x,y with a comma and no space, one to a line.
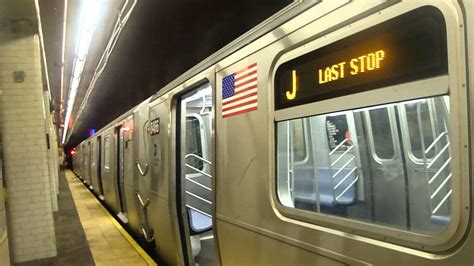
31,199
52,153
4,250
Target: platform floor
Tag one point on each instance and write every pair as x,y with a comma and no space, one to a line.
71,242
108,242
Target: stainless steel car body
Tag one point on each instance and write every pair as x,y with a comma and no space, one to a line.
251,226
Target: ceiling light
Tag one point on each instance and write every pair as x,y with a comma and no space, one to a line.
89,18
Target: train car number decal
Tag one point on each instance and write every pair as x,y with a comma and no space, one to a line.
155,126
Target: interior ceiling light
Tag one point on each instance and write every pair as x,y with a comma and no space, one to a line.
89,17
63,51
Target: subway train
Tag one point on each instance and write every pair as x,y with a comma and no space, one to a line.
335,132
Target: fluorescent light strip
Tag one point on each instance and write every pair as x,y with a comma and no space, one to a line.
63,56
40,30
89,15
119,25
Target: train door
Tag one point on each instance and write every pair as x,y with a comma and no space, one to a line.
385,163
142,182
195,181
89,165
98,153
95,166
427,154
332,155
109,169
83,156
120,173
86,163
93,171
407,151
129,175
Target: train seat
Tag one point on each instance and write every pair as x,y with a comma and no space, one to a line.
198,222
440,219
327,193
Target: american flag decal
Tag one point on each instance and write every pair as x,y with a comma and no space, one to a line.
239,92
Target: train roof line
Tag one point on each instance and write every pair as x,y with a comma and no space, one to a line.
279,18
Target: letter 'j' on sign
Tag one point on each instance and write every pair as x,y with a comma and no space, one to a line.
290,95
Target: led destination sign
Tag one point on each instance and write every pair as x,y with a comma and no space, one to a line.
358,65
406,48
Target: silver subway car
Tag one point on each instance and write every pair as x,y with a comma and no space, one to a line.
336,132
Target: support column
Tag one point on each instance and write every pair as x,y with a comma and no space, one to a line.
30,205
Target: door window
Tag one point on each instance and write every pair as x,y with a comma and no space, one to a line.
382,133
107,152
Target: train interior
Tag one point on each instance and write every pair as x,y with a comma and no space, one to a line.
387,164
196,172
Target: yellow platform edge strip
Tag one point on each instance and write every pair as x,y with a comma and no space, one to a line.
127,236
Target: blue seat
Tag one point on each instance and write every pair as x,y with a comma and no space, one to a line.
326,187
440,219
199,222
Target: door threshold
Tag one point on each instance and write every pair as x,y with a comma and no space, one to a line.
123,217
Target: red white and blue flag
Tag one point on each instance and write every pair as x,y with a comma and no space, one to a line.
239,92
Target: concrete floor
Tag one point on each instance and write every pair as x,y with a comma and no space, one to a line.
71,241
86,234
108,242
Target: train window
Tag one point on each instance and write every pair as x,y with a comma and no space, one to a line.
196,110
299,141
382,133
107,152
193,142
343,179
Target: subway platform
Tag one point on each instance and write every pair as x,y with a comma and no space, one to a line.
86,234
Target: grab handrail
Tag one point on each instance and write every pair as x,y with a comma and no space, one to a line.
201,212
291,181
441,185
203,104
439,171
345,177
435,141
198,197
199,184
140,199
442,201
438,155
338,146
143,173
348,187
199,171
342,155
198,157
343,167
145,234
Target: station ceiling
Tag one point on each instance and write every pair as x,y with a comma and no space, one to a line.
161,40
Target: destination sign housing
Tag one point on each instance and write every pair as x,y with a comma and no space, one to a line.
407,48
